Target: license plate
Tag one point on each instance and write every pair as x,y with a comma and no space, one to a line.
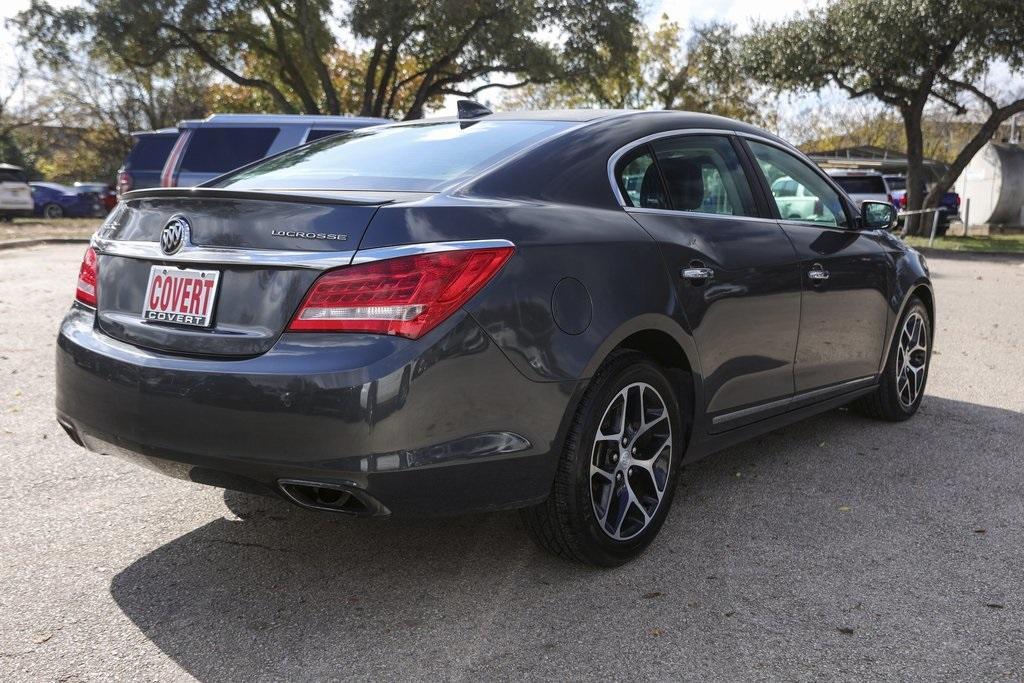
181,296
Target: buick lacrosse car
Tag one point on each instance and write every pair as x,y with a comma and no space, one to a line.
551,311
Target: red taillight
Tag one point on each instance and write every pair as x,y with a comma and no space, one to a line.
406,296
86,290
903,201
124,182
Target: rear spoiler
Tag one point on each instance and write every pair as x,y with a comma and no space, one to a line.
355,198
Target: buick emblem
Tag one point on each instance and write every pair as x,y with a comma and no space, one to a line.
174,235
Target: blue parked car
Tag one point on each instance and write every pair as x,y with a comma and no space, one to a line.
53,200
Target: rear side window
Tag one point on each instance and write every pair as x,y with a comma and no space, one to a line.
9,175
150,152
640,181
861,184
896,184
703,174
318,133
419,157
218,149
698,173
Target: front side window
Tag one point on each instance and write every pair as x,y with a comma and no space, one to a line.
814,200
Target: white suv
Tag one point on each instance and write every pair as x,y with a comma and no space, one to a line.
862,186
15,194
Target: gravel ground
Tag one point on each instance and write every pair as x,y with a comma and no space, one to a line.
46,228
839,548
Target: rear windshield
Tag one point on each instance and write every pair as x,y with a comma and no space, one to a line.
218,149
866,184
897,183
421,157
150,152
9,175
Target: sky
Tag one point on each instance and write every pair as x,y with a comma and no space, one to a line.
743,13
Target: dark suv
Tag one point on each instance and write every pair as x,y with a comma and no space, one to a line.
220,143
142,167
553,311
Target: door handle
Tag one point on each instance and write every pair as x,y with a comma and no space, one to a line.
697,274
817,273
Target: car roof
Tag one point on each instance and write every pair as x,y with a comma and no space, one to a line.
658,118
851,172
576,115
51,186
10,167
154,133
214,120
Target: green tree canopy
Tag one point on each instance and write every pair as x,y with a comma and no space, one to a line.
287,50
906,54
704,73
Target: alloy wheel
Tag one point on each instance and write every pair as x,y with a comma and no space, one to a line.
630,461
911,359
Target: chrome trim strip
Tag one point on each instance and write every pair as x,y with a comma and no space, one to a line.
313,260
836,389
697,214
382,253
188,254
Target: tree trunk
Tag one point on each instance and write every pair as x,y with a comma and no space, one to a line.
915,168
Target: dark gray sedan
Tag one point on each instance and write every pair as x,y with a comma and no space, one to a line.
552,311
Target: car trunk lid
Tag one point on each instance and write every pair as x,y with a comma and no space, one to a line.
263,249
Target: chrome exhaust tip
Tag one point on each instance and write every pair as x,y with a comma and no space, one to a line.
332,497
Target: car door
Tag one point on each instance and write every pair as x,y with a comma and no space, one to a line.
844,271
732,265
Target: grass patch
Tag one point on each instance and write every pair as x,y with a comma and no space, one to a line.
992,243
43,228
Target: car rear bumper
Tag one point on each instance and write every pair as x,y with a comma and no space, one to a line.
440,425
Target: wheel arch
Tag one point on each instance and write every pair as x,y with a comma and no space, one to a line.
921,289
662,339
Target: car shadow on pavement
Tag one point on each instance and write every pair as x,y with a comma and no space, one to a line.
279,592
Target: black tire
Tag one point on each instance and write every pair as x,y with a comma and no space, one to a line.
567,523
885,403
54,211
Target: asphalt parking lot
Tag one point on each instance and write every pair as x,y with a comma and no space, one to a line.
838,548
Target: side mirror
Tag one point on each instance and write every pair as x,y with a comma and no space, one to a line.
877,215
